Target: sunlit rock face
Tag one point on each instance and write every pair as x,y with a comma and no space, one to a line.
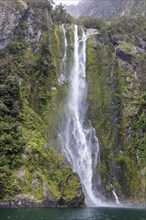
107,8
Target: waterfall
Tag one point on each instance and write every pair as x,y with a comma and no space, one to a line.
116,197
80,144
62,76
65,42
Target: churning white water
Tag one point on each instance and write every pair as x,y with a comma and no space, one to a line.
80,144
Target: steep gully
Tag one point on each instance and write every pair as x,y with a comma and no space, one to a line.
79,141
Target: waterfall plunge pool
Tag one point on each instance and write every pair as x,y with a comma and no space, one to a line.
73,214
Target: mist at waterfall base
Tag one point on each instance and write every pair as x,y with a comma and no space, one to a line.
73,214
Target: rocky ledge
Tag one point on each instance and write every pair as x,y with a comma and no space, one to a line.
27,201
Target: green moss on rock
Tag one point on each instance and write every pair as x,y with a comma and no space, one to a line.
114,71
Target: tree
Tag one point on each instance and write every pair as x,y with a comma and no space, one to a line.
48,4
60,14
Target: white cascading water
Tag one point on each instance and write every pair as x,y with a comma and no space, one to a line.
65,42
80,144
116,197
62,77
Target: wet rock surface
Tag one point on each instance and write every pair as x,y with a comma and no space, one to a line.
28,201
123,55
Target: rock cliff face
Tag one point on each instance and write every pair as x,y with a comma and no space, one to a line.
116,78
107,8
10,21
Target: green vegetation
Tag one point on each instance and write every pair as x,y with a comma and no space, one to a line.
91,22
56,13
116,93
11,141
139,131
31,101
45,174
61,16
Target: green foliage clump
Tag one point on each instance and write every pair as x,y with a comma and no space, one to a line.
43,165
130,28
60,15
139,132
11,141
91,22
